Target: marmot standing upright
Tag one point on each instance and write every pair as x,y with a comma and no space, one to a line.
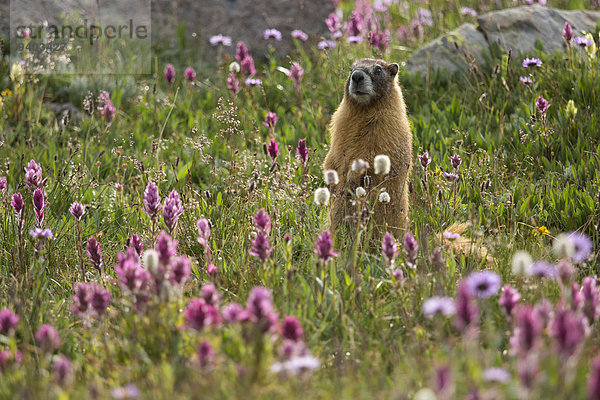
371,120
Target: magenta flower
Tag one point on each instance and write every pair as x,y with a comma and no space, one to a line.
152,204
135,242
438,305
525,80
355,25
47,338
99,299
411,248
442,380
261,247
220,39
3,184
39,204
567,32
527,331
206,354
203,231
166,247
17,203
531,62
233,84
106,107
247,66
9,359
62,370
77,210
8,322
131,275
542,105
450,176
291,329
455,160
468,11
509,298
380,39
272,33
483,284
260,308
298,34
389,248
296,74
466,309
233,312
241,52
270,120
324,247
273,149
94,252
262,221
333,23
302,151
199,315
252,82
189,74
424,160
568,330
172,210
170,73
33,175
181,269
210,295
591,299
39,233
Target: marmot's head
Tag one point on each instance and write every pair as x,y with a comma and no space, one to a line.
370,80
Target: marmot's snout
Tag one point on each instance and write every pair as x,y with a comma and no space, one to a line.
361,86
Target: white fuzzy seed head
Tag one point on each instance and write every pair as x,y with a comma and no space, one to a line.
360,165
563,246
382,164
384,197
331,177
521,262
234,67
360,191
150,261
322,196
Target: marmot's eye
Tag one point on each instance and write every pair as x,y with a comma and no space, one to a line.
378,69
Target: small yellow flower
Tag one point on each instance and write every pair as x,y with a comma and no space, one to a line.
6,93
540,231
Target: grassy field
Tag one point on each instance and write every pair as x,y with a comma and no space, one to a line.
415,321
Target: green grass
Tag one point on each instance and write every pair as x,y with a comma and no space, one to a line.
519,171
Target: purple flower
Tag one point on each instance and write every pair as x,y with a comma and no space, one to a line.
166,247
298,34
531,62
398,275
106,107
261,247
39,233
94,252
417,30
199,315
270,120
189,74
380,39
582,41
77,210
17,203
326,44
509,298
567,32
241,52
296,365
543,269
99,299
152,200
442,380
296,74
302,151
216,40
47,338
125,392
455,160
172,210
211,269
593,383
132,276
181,269
81,299
583,246
260,309
333,23
483,284
424,160
247,66
449,176
272,33
170,73
273,149
466,308
262,221
354,39
62,370
33,175
527,331
468,11
206,354
389,248
210,295
542,105
3,184
291,329
252,82
525,80
591,299
324,247
39,204
425,16
233,84
411,248
496,374
451,235
8,359
8,322
568,330
203,231
233,312
436,304
135,242
355,25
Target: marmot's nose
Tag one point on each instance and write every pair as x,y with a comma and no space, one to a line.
358,76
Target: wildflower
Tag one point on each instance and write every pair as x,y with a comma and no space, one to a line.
189,74
3,182
540,231
455,160
532,62
261,247
203,231
125,392
468,11
571,110
466,309
130,273
234,67
99,299
355,25
417,30
166,247
410,248
17,73
542,269
424,160
181,269
169,73
389,248
582,246
591,48
527,331
8,322
94,252
206,354
437,258
568,330
583,41
272,149
77,210
382,164
233,312
172,210
380,39
509,298
331,177
483,284
270,120
17,203
152,204
39,204
496,374
47,338
451,235
199,315
296,74
563,246
260,308
39,233
106,107
398,275
298,34
291,329
62,370
272,33
436,304
322,196
232,83
442,381
591,299
425,16
521,262
262,221
354,39
211,269
565,271
8,359
252,82
326,44
324,247
216,40
525,80
210,295
296,365
567,32
247,66
360,191
135,242
241,52
302,151
333,23
449,176
542,105
360,166
384,197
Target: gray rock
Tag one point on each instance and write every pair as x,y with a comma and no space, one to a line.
519,28
454,51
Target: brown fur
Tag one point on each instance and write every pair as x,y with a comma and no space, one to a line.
363,131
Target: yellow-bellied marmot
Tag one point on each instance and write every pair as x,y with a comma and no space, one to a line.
371,120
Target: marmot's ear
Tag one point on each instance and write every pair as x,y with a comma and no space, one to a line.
393,69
